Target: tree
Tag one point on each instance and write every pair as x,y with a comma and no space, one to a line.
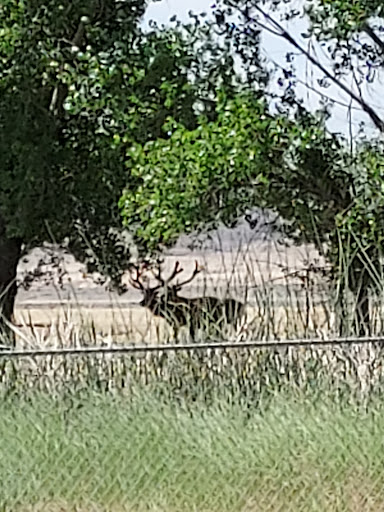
79,84
347,29
350,31
244,158
287,162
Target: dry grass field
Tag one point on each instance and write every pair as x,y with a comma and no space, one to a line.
234,430
235,264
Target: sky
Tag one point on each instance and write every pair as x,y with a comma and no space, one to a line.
165,9
343,119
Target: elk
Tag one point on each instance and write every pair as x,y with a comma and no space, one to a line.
178,311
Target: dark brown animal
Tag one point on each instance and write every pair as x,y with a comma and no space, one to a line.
194,313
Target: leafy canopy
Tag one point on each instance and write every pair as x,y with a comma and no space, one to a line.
80,83
249,157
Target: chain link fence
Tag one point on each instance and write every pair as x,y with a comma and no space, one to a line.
290,428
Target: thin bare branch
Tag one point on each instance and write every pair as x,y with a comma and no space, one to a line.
311,87
378,122
375,38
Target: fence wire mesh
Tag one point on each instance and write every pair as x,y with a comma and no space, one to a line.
282,429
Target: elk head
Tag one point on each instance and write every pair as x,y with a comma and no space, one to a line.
150,294
151,298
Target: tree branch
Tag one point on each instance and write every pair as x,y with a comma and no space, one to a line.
312,88
61,90
376,39
377,121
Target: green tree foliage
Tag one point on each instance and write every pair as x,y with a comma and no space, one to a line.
201,176
342,18
287,162
351,33
91,106
246,157
80,83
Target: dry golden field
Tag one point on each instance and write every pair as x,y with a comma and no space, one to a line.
66,297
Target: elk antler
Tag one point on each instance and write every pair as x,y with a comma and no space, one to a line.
175,271
137,283
196,271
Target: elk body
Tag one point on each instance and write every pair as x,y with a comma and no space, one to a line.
194,313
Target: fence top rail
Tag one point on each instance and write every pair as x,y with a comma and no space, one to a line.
6,352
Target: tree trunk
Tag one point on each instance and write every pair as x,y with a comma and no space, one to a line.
10,252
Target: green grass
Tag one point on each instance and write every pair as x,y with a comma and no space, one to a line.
114,454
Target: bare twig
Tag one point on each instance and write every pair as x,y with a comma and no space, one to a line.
376,39
280,30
